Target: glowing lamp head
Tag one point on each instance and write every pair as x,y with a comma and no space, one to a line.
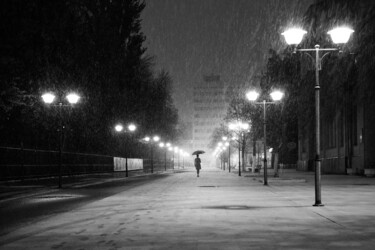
48,98
73,98
147,139
294,36
277,95
245,126
132,127
252,95
156,138
119,127
232,126
340,35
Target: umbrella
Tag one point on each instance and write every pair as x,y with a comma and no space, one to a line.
198,152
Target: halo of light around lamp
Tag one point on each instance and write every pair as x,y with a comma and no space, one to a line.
48,98
252,95
132,127
73,98
340,35
119,128
277,95
294,36
245,126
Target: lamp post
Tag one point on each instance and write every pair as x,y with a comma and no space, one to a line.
119,128
170,148
294,37
175,151
154,139
151,142
276,96
162,145
72,99
227,144
239,127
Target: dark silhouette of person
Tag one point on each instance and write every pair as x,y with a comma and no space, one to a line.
197,164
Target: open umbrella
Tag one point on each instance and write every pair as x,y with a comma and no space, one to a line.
198,152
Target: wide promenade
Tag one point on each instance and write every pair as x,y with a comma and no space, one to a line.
218,210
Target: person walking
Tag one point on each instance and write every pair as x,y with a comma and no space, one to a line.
197,164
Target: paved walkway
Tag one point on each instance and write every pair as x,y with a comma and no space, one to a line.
218,210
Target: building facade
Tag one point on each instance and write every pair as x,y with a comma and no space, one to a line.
210,108
347,93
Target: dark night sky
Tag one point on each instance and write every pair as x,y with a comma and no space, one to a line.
192,38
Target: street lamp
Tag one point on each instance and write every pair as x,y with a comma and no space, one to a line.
239,127
72,99
220,149
227,144
275,96
154,139
170,148
150,141
164,146
176,152
294,37
119,128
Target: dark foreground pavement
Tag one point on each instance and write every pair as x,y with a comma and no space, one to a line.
215,211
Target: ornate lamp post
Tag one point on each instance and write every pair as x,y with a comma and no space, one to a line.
239,127
49,98
294,37
119,128
276,96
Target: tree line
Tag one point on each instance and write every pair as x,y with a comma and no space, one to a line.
346,81
94,48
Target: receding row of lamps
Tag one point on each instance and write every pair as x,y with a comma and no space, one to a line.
156,139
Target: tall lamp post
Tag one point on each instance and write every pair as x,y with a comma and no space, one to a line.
162,145
227,144
72,99
276,96
170,148
294,37
119,128
154,139
151,141
239,127
175,151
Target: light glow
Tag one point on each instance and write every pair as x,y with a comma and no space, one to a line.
48,98
340,35
119,127
277,95
252,95
73,98
294,36
132,127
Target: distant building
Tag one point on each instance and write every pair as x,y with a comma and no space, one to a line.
210,108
